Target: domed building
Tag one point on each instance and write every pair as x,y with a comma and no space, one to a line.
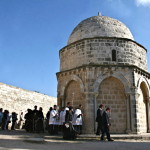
102,64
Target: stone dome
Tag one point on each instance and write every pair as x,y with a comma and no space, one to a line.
99,26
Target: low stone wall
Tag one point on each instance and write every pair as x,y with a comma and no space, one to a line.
17,99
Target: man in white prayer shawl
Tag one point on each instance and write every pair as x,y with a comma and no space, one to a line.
53,120
78,119
62,118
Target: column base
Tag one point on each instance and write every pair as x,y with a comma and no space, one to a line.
128,131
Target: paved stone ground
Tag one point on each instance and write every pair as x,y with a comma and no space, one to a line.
20,140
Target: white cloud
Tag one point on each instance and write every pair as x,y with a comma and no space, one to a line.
138,2
143,2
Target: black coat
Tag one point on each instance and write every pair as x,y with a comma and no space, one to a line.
40,115
69,132
105,120
99,115
68,117
35,114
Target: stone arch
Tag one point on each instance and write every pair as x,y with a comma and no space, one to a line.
143,103
73,93
144,80
142,109
68,80
71,79
111,93
119,76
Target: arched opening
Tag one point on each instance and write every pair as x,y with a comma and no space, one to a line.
112,94
142,108
73,94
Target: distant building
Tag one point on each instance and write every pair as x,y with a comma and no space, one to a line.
102,64
17,99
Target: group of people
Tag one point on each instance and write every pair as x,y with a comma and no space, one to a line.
34,120
6,118
63,120
103,122
66,120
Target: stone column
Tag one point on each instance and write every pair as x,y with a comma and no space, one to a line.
133,112
128,130
61,101
89,119
95,110
148,113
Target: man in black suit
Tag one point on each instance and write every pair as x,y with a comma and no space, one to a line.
105,125
99,119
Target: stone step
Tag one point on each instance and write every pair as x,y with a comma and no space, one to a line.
119,136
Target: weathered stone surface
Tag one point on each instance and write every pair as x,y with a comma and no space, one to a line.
111,94
128,53
103,65
17,99
99,26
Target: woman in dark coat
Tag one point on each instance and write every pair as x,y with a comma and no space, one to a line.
40,121
29,121
14,119
69,132
4,119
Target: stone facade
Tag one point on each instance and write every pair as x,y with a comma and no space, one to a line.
111,94
17,99
106,70
99,51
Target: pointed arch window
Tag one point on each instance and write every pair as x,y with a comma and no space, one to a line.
114,57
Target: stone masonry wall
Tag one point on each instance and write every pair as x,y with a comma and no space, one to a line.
112,95
86,78
73,94
17,99
99,51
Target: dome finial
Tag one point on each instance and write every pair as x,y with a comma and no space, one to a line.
99,14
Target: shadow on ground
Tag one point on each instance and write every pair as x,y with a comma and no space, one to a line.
20,140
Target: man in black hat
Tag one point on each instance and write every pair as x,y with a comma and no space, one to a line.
106,125
35,118
100,111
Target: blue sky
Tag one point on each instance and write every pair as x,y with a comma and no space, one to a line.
33,31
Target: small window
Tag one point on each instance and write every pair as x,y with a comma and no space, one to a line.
113,55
